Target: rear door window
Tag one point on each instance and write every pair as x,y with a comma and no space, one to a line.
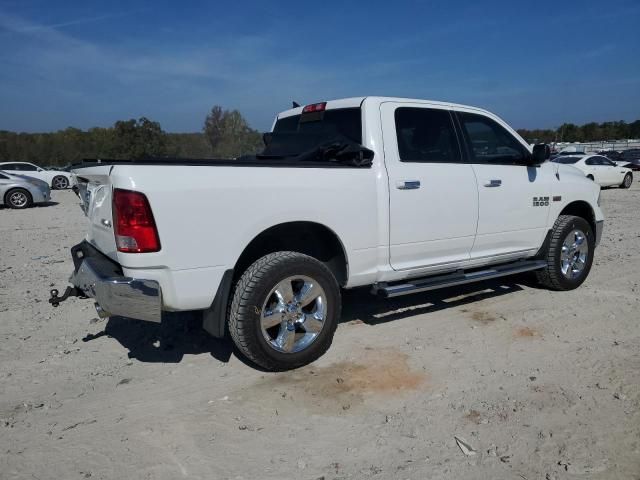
26,167
426,135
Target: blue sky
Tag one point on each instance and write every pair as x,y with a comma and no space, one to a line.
89,63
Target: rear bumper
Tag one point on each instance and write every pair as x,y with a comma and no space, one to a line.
100,278
599,229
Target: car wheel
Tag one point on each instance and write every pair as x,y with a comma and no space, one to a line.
569,255
59,182
285,310
628,180
590,177
18,198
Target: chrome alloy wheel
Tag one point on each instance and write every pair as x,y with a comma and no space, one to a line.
60,183
18,199
627,181
293,315
574,254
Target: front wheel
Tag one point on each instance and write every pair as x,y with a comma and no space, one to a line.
569,255
60,182
285,310
628,180
18,198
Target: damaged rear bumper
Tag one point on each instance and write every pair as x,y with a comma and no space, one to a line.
98,277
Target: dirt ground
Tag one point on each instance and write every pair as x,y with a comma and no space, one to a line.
541,385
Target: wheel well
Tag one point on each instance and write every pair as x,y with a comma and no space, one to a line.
310,238
581,209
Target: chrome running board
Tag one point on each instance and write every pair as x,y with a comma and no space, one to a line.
423,284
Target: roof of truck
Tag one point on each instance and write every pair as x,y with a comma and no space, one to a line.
357,102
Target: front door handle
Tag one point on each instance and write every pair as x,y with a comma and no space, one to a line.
408,184
493,183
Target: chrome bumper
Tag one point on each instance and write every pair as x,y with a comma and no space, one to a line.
599,229
100,278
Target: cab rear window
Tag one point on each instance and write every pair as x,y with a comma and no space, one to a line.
301,133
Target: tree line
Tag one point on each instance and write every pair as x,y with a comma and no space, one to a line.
225,134
589,132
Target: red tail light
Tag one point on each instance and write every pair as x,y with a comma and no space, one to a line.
315,107
134,226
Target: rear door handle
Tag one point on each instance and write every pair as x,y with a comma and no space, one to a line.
493,183
408,184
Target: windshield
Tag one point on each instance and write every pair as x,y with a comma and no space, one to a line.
301,133
566,159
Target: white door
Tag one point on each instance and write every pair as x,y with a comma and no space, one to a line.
614,174
598,168
433,200
514,198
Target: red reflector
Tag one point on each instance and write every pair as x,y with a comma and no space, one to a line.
314,107
133,222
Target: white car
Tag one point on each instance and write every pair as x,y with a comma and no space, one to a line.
57,179
397,194
600,169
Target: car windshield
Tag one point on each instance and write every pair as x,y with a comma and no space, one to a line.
297,134
566,159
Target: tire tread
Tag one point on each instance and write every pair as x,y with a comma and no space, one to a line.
549,276
240,325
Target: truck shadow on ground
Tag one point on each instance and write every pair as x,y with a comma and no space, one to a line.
178,335
181,334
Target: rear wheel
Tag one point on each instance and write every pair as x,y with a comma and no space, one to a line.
18,198
285,310
60,182
628,180
569,255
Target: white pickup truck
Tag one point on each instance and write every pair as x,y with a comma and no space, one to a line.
402,195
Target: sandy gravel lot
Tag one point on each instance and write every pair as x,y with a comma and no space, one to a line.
542,385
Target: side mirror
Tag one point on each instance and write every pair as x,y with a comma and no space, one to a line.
541,152
266,138
40,170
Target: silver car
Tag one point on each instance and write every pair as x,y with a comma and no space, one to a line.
19,191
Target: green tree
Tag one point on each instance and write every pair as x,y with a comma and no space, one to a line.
135,139
229,134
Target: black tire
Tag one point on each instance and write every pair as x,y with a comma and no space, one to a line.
252,291
552,276
628,180
60,182
590,177
18,198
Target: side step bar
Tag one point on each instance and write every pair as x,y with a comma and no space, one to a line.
424,284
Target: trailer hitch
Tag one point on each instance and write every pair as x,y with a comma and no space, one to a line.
55,300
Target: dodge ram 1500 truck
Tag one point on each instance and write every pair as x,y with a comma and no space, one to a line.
403,195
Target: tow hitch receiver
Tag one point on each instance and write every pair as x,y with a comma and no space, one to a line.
55,300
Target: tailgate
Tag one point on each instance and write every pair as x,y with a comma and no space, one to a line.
94,190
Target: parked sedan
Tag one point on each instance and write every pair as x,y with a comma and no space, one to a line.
56,179
19,191
599,169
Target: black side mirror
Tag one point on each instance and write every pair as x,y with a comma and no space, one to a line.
266,138
541,152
